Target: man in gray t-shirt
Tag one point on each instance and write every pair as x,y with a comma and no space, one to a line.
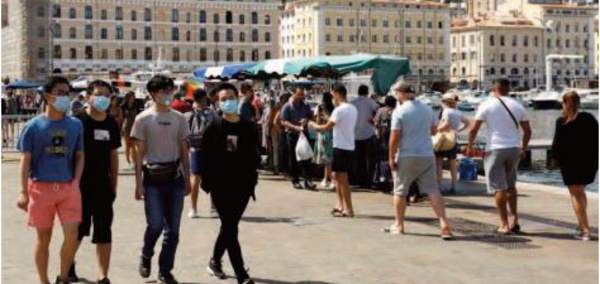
161,135
364,135
411,157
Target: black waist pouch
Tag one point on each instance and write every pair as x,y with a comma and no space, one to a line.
160,173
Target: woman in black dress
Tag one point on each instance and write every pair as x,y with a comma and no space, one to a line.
382,177
575,151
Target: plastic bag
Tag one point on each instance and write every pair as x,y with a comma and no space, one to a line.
303,149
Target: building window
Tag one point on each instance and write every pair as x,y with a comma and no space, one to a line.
57,31
89,32
408,41
407,24
525,41
188,18
492,39
567,43
56,11
202,16
119,53
254,35
104,54
215,18
73,53
463,41
216,55
174,15
373,23
41,31
242,56
328,38
418,24
255,55
87,12
267,20
429,25
175,34
133,34
549,43
267,37
254,18
216,36
386,38
203,54
228,17
148,53
89,53
514,40
327,21
229,55
41,11
558,43
418,40
340,22
72,13
134,54
119,14
229,35
514,58
514,71
567,28
103,33
351,38
472,39
188,36
363,23
242,36
147,15
202,34
440,26
441,40
429,40
147,33
103,14
41,53
585,28
267,55
133,16
526,58
119,32
176,54
502,40
464,71
242,19
386,23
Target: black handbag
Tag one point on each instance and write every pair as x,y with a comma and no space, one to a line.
160,173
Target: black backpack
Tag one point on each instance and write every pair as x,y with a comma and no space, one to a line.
200,126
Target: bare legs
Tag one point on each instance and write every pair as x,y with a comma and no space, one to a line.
453,172
103,255
439,162
439,169
343,191
579,201
328,172
68,249
511,194
42,254
500,199
437,203
195,190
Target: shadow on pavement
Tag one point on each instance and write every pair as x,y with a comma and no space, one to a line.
268,281
268,219
558,236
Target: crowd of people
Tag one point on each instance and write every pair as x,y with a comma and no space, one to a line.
70,163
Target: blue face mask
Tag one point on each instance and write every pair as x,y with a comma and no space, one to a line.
62,104
101,103
167,100
229,106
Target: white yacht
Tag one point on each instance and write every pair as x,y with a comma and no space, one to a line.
589,99
476,98
547,100
432,99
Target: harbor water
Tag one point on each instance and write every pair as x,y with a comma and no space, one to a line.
543,123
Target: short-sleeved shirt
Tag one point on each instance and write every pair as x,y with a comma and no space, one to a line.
453,116
162,132
415,120
52,145
344,118
293,113
364,123
100,139
501,131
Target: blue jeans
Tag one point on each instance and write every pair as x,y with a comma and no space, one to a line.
163,205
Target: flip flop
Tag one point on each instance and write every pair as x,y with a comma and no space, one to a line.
516,229
447,236
507,233
392,230
343,215
335,210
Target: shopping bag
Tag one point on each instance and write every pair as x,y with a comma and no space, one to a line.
303,149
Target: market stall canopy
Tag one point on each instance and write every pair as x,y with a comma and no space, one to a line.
22,84
386,68
299,67
234,71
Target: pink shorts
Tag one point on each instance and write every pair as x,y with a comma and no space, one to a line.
48,198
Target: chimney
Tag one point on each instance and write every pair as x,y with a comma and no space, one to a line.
471,8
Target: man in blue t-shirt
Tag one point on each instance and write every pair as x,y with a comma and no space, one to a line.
51,167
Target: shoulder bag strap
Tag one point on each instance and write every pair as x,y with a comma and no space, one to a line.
509,112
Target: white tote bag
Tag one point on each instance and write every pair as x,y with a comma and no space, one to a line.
303,149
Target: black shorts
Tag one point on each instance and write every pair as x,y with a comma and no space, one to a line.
342,160
97,208
450,154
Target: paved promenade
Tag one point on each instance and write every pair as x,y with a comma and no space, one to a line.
288,237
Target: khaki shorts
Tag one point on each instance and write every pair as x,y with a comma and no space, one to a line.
416,169
501,169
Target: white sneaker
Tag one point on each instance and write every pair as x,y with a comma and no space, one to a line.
193,214
329,185
323,184
214,213
582,236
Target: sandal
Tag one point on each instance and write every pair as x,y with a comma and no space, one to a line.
343,214
335,210
516,229
505,233
393,230
447,235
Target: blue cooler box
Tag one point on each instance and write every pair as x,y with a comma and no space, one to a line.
467,169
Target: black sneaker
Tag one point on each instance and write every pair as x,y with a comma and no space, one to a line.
62,281
215,269
104,281
310,186
144,267
297,185
72,277
167,279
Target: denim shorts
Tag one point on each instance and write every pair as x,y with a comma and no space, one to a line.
194,161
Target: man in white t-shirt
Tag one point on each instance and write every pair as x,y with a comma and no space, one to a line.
504,148
411,157
342,121
364,131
